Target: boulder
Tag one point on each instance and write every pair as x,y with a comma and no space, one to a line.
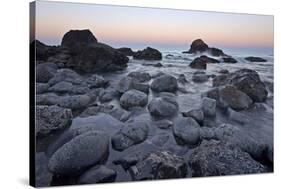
247,81
126,51
229,96
196,114
209,107
42,51
182,79
202,61
51,118
98,174
163,106
164,83
41,88
128,83
237,116
133,98
186,131
61,87
199,77
107,95
66,75
148,54
160,139
229,60
74,102
216,52
44,72
215,158
198,46
47,99
98,57
164,124
133,133
96,81
96,109
140,76
255,59
91,147
43,175
159,165
224,71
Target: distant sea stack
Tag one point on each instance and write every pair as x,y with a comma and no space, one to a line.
81,51
148,54
126,51
199,46
255,59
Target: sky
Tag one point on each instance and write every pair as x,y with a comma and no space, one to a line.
138,28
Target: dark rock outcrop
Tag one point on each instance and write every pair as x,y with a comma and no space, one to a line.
45,71
255,59
215,158
202,61
159,165
164,83
199,77
163,106
229,60
148,54
126,51
133,98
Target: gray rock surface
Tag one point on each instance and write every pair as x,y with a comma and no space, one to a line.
133,98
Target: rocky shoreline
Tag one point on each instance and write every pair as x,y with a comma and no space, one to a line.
99,121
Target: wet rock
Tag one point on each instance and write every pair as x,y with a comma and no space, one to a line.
202,61
255,59
159,165
214,158
186,131
209,107
133,133
216,52
140,76
45,71
224,71
182,79
120,114
74,102
164,124
229,60
66,75
96,109
91,147
96,81
196,114
199,77
107,95
61,87
100,174
47,99
41,88
207,133
160,139
164,83
51,118
128,83
76,90
198,46
126,51
133,98
247,81
237,116
229,96
148,54
219,80
163,106
43,175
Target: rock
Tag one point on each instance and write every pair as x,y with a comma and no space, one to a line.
41,88
255,59
98,57
91,147
42,51
43,175
77,90
247,81
237,116
164,124
202,61
107,95
229,96
100,174
140,76
148,54
182,79
128,83
198,46
51,118
186,131
214,158
74,102
44,72
133,133
61,87
209,107
199,77
224,71
160,139
159,165
157,65
133,98
196,114
126,51
229,60
120,114
163,106
96,81
47,99
207,133
75,40
96,109
164,83
66,75
216,52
